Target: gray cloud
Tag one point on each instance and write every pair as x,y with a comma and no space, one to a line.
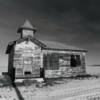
75,22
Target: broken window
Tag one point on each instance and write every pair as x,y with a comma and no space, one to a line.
64,60
78,60
73,61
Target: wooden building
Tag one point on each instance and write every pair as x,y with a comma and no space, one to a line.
29,57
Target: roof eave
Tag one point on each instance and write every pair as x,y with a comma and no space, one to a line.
66,50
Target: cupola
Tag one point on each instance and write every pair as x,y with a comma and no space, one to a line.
27,30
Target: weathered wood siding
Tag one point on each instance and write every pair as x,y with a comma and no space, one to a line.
57,64
27,58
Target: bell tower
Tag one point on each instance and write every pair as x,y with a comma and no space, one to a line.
27,30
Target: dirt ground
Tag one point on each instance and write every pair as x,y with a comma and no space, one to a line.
59,89
74,88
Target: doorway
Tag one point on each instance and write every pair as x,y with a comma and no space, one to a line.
31,67
27,66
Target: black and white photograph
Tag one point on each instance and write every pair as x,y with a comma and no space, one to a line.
49,49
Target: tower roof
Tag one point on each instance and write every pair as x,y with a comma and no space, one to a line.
26,25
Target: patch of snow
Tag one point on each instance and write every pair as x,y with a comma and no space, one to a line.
40,80
19,80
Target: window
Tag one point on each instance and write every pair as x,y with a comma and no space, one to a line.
54,61
27,33
64,60
73,61
78,60
51,61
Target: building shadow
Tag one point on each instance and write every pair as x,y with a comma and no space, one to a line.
20,97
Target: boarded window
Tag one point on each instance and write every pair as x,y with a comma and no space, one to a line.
54,61
51,61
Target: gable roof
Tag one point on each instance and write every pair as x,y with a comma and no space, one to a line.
11,44
51,45
58,45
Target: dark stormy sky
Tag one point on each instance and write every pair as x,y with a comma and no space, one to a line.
73,22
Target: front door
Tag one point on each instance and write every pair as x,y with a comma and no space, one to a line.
27,66
31,67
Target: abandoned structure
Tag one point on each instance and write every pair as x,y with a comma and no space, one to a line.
29,57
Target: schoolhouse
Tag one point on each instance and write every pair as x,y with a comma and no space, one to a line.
29,57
